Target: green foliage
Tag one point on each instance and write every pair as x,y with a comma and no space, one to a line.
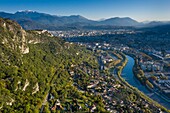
47,64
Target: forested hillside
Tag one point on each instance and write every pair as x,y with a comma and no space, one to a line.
35,66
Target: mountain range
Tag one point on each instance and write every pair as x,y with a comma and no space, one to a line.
30,20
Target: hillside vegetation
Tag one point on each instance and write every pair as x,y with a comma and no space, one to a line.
34,64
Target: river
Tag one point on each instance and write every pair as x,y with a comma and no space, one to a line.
128,75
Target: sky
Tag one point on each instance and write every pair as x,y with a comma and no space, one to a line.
140,10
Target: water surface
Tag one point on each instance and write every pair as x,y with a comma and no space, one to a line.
128,75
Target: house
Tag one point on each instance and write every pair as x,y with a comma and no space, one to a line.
57,105
93,108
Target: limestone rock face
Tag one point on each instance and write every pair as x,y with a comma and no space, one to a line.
13,36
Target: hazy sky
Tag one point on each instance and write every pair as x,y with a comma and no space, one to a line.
140,10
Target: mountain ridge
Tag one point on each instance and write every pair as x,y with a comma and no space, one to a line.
31,20
34,20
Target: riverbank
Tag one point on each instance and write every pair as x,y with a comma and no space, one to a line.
135,89
139,74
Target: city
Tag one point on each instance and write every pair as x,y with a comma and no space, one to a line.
85,56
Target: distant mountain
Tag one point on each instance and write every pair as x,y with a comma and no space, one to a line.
152,24
34,20
120,22
157,23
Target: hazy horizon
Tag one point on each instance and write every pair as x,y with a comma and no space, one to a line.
145,10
